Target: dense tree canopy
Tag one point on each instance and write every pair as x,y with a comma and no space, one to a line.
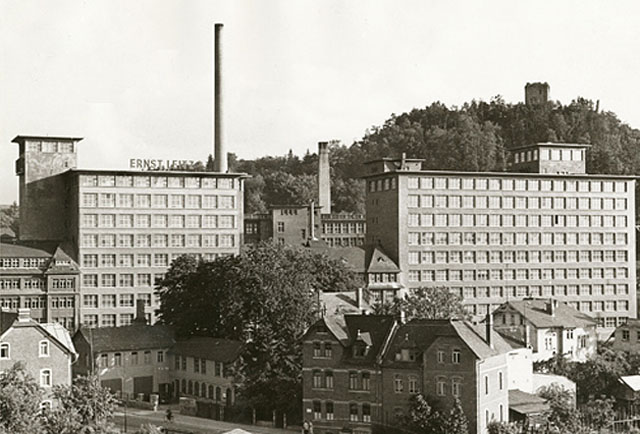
428,415
426,303
10,218
265,296
473,137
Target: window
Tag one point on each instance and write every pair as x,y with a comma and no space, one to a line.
456,386
398,384
44,349
317,380
440,386
486,384
4,351
353,381
413,384
455,356
353,412
45,377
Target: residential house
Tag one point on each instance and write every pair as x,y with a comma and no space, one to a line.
549,327
360,371
45,349
130,360
201,368
627,337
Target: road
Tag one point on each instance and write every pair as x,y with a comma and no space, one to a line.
197,425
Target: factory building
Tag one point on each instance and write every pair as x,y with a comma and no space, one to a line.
124,227
546,229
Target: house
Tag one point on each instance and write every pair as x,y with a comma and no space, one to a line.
45,349
130,360
42,277
547,326
527,409
627,393
627,337
342,379
201,369
359,371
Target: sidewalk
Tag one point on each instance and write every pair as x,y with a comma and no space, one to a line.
136,417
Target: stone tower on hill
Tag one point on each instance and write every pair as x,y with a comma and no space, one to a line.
536,93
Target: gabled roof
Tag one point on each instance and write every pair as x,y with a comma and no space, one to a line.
379,262
341,303
60,334
220,350
54,331
631,381
352,257
372,329
536,312
128,338
420,334
526,403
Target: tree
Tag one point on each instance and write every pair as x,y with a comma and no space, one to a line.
265,297
210,166
562,412
20,398
10,218
432,416
496,427
598,413
427,303
85,406
148,429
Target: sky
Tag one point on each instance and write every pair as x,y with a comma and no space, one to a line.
134,78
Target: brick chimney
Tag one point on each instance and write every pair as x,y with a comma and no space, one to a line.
551,307
324,178
489,327
140,316
24,315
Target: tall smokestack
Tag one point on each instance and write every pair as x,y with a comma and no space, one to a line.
220,155
324,178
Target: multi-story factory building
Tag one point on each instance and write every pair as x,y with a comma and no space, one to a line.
497,236
125,226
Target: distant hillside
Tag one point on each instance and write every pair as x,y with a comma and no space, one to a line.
473,137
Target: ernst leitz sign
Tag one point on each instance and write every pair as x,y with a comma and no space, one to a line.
153,164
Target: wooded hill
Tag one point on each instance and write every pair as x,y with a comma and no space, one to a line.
473,137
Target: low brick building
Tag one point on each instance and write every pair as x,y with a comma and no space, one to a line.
45,349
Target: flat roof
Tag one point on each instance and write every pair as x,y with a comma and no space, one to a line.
20,138
498,174
413,160
552,145
153,172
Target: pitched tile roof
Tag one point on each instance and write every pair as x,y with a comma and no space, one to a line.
340,303
632,381
220,350
526,403
379,262
536,312
376,328
128,338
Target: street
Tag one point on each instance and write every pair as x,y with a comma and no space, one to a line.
197,425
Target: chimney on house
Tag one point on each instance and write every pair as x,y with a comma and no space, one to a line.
24,314
324,178
551,309
527,335
140,315
220,155
489,325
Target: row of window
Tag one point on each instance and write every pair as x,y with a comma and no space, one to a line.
50,147
196,388
156,181
344,241
160,201
521,221
324,410
515,256
444,275
517,202
343,228
549,154
23,262
43,349
541,290
108,280
139,260
516,238
209,221
199,366
158,240
133,358
518,184
109,319
113,300
58,302
35,283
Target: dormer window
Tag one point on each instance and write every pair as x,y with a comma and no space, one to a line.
360,350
